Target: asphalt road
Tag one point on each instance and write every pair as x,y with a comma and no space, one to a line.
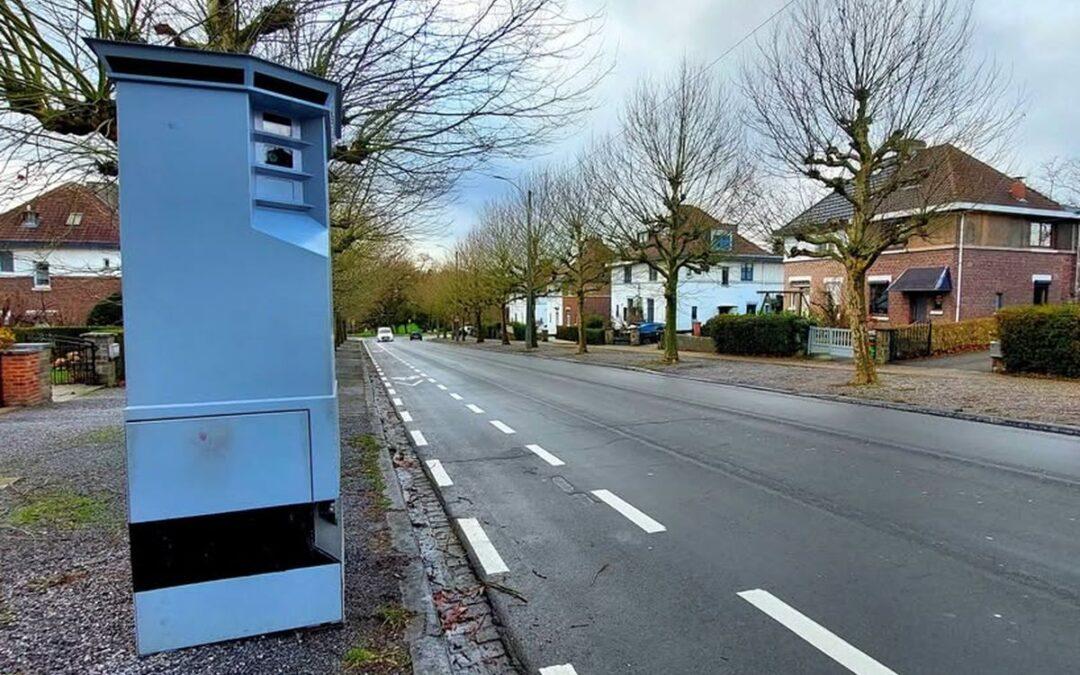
702,528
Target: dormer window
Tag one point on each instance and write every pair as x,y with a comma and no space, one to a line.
721,241
30,218
74,218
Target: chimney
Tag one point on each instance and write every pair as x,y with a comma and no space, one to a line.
1018,190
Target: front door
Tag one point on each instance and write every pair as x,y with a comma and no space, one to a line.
919,307
649,310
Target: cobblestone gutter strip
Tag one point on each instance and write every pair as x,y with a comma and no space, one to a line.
454,629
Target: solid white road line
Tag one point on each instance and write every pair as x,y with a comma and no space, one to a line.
397,402
418,437
482,547
442,479
475,408
456,397
502,427
545,455
632,514
441,386
564,669
406,416
819,636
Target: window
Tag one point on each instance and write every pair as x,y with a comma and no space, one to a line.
7,261
721,241
74,218
1042,292
937,304
275,155
693,313
725,276
999,301
626,272
650,307
652,274
1041,236
277,124
879,298
747,272
41,275
30,218
751,308
106,263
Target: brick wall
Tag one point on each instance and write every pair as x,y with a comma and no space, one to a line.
986,273
67,302
599,305
26,376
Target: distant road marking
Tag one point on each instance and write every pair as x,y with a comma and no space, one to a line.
502,427
632,514
406,416
441,386
475,408
482,547
564,669
418,437
390,391
431,380
456,397
397,402
545,455
442,479
422,374
819,636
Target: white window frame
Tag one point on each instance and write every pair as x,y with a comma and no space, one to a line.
48,275
1035,236
75,218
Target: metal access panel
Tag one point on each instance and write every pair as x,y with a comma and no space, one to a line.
232,418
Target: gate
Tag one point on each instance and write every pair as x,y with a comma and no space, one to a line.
831,341
72,359
910,342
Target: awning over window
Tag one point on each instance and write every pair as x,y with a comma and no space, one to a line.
923,280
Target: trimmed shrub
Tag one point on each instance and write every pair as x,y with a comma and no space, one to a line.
593,336
519,330
759,334
1041,339
948,338
594,321
566,333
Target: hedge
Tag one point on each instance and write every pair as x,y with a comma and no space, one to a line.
593,336
948,338
759,334
1041,339
518,329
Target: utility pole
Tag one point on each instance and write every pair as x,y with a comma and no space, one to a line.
530,291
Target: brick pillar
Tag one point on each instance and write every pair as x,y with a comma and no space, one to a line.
26,369
104,363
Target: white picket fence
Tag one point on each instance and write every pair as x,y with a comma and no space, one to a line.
831,341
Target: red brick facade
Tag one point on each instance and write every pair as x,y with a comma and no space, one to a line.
599,305
25,377
67,302
986,273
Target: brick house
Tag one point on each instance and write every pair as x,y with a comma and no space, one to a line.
993,241
59,255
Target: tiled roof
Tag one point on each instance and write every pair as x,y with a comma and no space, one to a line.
740,245
99,223
953,176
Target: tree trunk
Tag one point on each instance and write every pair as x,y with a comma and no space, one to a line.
671,344
582,344
530,319
479,326
855,303
505,332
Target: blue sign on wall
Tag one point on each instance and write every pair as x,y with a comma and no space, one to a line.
232,419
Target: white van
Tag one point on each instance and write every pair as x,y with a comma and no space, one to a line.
384,334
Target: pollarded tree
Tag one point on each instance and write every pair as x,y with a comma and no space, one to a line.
679,152
845,94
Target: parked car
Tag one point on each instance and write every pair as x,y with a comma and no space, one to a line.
650,332
416,335
384,334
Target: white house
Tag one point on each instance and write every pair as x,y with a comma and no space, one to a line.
548,310
735,285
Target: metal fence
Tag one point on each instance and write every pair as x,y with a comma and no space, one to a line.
910,342
831,341
72,360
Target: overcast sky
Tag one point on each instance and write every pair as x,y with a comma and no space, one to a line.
1035,39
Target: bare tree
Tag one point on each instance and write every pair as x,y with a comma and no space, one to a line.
580,256
679,155
430,89
845,95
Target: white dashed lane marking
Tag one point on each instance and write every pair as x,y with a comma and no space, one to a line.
502,427
456,397
441,386
632,514
406,416
482,547
391,392
418,437
545,455
820,637
442,479
564,669
431,380
475,408
397,402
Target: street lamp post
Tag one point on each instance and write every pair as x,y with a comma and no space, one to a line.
530,258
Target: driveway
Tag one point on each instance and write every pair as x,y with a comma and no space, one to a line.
974,361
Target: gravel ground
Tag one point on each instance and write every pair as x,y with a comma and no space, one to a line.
65,583
1032,399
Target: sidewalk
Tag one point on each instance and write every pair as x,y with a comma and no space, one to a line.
944,390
